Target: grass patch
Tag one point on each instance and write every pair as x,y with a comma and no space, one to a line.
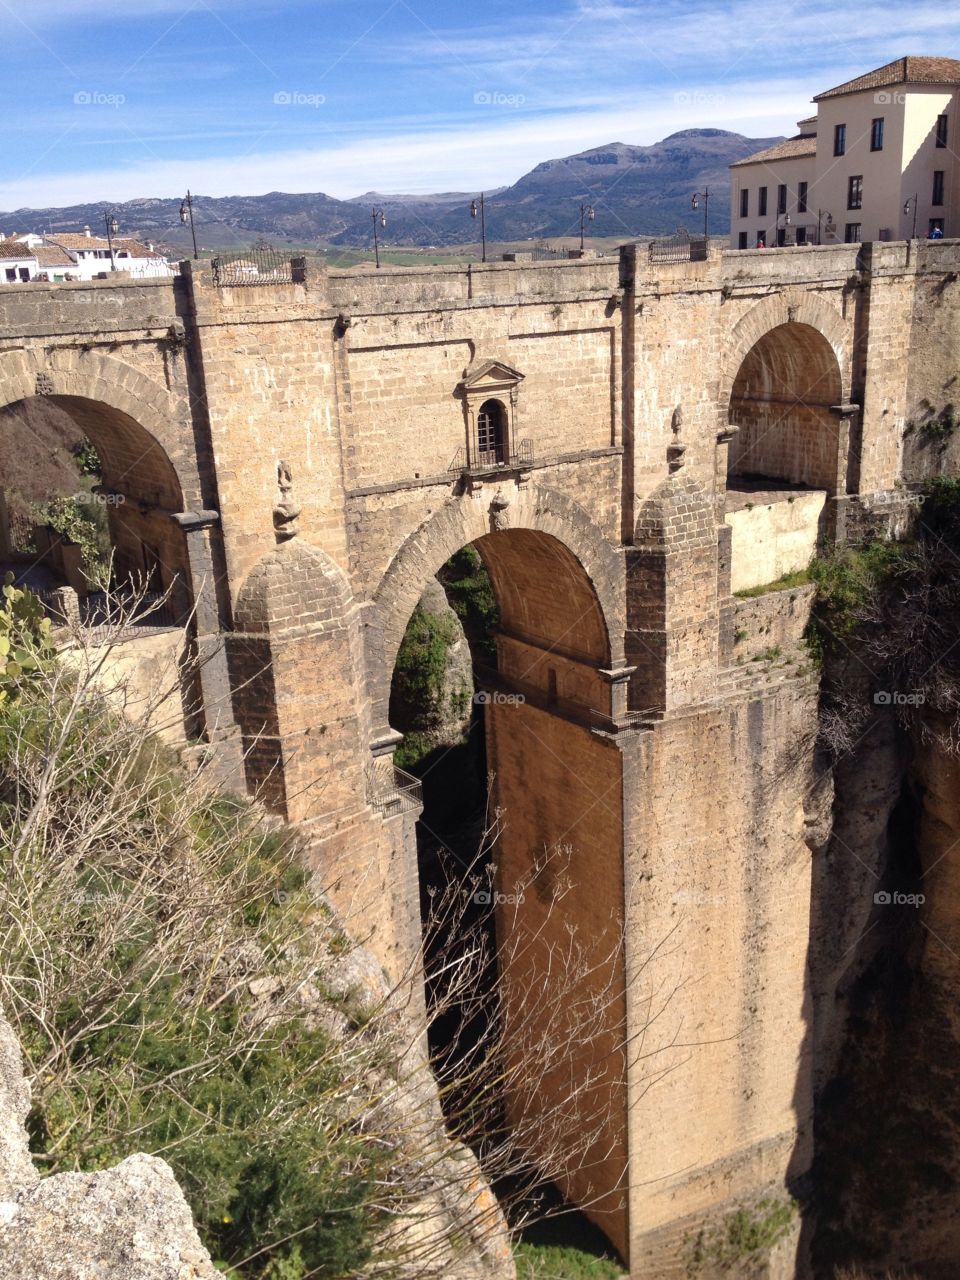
799,578
560,1262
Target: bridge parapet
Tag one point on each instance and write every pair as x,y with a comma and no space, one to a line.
120,305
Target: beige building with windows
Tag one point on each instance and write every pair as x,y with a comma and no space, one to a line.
877,162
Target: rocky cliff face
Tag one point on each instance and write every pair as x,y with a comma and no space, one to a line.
885,969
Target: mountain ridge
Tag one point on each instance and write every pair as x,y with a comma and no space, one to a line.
635,190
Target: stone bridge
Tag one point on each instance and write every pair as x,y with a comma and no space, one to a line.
299,457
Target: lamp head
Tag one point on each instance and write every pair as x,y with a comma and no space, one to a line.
695,202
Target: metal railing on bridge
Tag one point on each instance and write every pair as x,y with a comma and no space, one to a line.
260,265
680,247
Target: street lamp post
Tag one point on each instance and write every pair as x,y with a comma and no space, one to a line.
782,231
907,205
587,213
379,220
186,215
113,226
480,208
821,214
695,199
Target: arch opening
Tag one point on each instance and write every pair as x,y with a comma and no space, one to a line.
86,499
783,404
520,838
108,479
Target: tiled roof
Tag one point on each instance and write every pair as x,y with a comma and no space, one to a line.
136,248
15,249
789,150
909,70
51,255
76,240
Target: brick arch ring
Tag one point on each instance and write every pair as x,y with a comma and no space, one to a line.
461,521
118,386
779,309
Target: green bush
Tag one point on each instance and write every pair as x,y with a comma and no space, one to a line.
472,598
137,907
83,523
560,1262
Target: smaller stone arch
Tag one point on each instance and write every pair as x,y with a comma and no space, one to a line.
788,307
151,426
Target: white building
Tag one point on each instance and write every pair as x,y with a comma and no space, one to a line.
875,163
69,256
92,254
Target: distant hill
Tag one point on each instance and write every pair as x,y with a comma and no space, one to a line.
635,191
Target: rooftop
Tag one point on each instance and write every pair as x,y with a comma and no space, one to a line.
802,145
909,70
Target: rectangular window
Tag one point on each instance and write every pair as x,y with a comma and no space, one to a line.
801,235
11,273
761,239
876,134
839,139
941,131
935,229
762,202
855,191
782,198
937,187
742,240
802,188
744,203
852,232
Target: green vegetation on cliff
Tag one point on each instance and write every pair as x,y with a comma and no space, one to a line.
163,964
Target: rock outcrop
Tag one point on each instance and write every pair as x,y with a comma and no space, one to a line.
127,1223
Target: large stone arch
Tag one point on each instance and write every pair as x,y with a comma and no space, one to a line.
112,401
467,519
800,307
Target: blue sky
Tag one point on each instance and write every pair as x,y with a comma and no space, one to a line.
110,101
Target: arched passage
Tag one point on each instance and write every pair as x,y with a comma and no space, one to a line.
554,896
136,486
784,403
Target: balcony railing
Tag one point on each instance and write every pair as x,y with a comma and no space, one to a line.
393,790
475,460
103,616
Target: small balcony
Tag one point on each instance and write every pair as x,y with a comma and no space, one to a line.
476,460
